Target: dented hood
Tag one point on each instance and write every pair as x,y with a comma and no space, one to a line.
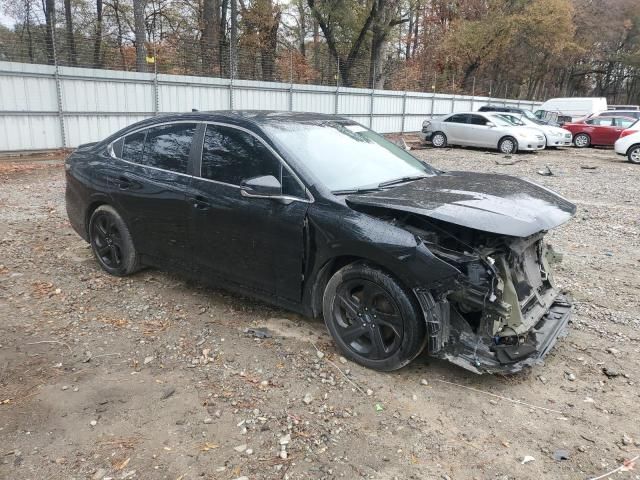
492,203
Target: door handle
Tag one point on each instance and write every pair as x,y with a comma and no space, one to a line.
201,203
123,183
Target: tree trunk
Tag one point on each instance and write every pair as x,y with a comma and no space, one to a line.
97,42
233,41
210,35
140,33
416,24
71,43
50,20
407,48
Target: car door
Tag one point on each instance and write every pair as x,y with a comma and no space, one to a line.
602,130
149,189
455,127
478,133
254,242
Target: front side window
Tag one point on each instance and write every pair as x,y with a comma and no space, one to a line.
167,146
231,156
478,120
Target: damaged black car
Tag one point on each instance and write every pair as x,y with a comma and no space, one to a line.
320,215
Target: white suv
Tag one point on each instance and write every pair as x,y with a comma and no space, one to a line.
629,143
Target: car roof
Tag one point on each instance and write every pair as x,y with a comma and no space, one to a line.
249,119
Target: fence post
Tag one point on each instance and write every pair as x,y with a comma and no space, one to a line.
56,76
156,93
373,85
336,100
473,94
404,111
290,80
433,92
231,72
453,102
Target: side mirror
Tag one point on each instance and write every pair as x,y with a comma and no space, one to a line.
264,186
490,124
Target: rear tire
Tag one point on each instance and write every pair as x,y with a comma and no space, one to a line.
582,140
372,318
111,242
634,154
439,140
508,145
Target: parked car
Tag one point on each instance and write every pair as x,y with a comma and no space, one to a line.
629,143
522,112
554,136
572,108
475,129
626,113
320,215
602,131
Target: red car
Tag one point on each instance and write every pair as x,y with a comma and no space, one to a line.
601,130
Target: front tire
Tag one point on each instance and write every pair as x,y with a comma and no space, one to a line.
111,242
582,140
634,154
439,140
372,318
508,145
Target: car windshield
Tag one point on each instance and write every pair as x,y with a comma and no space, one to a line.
346,156
501,121
513,120
530,116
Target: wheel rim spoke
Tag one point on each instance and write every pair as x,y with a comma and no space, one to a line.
378,348
390,320
354,332
347,302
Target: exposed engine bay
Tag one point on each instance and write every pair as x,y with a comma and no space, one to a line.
504,311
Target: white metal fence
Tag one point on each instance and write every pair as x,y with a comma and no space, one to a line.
45,107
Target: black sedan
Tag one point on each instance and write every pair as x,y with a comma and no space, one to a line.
322,216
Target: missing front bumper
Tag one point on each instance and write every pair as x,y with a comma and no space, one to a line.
481,354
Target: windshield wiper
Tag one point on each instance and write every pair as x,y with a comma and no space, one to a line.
348,191
396,181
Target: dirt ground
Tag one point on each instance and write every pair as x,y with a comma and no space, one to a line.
154,377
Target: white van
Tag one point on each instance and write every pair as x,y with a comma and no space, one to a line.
574,107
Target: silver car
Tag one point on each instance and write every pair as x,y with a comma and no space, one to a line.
475,129
555,136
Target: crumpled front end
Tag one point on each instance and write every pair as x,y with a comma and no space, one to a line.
504,312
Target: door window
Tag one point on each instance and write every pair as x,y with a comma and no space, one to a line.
623,122
167,146
231,156
133,146
460,118
478,120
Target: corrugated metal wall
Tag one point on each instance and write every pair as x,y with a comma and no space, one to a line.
41,108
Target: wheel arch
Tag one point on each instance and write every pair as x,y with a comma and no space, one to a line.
332,265
93,205
632,147
505,136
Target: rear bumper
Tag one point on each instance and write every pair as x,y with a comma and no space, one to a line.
486,357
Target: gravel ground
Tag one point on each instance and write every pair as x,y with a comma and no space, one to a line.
154,377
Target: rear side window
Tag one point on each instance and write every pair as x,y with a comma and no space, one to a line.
133,146
457,119
167,146
624,122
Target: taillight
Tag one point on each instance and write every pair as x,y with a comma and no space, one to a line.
626,132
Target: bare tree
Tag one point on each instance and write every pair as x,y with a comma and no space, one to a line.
210,40
71,43
49,8
97,42
140,33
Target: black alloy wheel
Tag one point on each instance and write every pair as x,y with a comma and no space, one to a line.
111,242
373,320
